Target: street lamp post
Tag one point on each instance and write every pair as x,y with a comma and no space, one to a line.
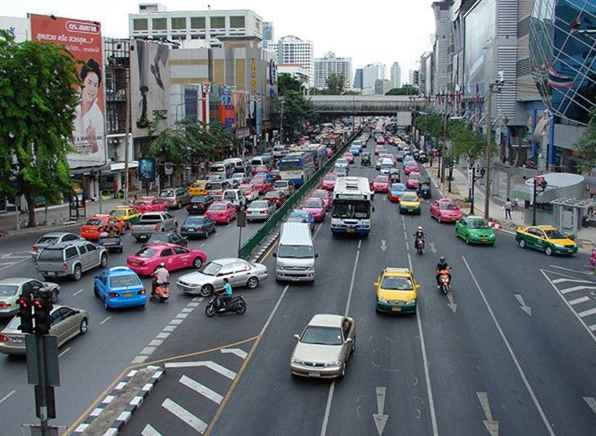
281,123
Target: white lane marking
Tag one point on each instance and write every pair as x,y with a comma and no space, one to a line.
7,396
162,335
188,309
511,352
201,389
587,312
106,319
150,431
207,363
327,409
593,327
197,299
169,328
175,321
78,292
155,343
183,414
571,270
492,426
182,315
349,301
407,245
236,351
522,304
272,314
147,350
564,279
64,352
579,300
591,403
139,359
193,304
120,386
576,288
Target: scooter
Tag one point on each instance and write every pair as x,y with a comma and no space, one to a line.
444,282
161,292
419,243
215,306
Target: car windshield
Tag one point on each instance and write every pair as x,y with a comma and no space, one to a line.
146,252
94,222
554,234
477,224
319,194
211,186
397,283
317,335
447,206
124,281
118,212
211,269
199,199
381,179
258,205
217,206
313,203
330,178
194,221
409,196
51,255
398,187
8,290
295,251
168,193
47,240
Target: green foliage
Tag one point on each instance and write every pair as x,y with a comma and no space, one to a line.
404,90
586,146
37,101
466,142
286,82
335,84
430,125
297,110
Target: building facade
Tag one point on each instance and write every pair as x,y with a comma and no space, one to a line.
295,51
441,46
358,79
395,75
382,86
268,33
331,64
370,73
426,74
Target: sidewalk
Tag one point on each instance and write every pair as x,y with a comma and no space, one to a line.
586,237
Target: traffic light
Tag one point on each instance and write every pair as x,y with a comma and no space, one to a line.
42,306
25,314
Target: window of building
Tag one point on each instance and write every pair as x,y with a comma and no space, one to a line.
139,24
523,27
178,23
159,23
237,22
197,22
196,37
218,22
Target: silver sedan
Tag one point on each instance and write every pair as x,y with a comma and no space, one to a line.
11,290
210,278
259,210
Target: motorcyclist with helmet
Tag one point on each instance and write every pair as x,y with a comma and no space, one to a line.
419,236
442,268
161,277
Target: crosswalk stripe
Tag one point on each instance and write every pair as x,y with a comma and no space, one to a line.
576,288
209,364
593,328
591,403
150,431
183,414
237,351
587,312
201,389
579,300
564,279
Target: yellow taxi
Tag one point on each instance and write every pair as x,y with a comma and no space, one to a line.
198,187
125,214
396,291
545,238
409,202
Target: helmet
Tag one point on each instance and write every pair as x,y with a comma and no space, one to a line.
163,265
442,259
420,228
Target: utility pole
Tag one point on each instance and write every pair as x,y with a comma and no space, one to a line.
128,123
444,149
281,123
471,194
487,151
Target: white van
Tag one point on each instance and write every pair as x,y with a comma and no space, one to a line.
295,255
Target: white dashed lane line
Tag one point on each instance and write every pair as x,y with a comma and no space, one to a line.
106,319
7,396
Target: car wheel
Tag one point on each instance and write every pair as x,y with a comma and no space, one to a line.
548,251
104,260
77,273
522,243
206,291
197,263
252,283
84,326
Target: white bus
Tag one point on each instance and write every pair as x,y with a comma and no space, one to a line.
352,206
223,169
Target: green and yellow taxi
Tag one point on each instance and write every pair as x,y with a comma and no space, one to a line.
409,202
475,230
545,238
125,214
396,291
198,188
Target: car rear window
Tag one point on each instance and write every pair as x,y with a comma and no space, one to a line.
194,221
47,240
51,255
151,218
447,206
124,281
217,206
8,290
313,203
146,253
259,205
94,222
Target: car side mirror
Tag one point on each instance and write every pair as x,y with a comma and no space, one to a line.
376,283
316,254
297,337
418,285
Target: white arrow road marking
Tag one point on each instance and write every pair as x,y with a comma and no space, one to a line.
523,305
380,418
209,364
150,431
491,425
201,389
383,245
451,302
236,351
591,403
183,414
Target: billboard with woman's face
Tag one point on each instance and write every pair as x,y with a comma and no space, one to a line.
82,39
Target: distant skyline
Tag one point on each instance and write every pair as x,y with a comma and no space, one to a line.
380,31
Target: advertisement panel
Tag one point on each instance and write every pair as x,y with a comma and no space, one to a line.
82,39
147,170
150,83
479,55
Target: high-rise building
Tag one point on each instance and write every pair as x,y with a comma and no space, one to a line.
370,73
268,32
413,78
441,41
358,77
382,86
426,74
330,64
293,50
395,75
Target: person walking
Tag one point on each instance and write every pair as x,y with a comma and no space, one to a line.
508,206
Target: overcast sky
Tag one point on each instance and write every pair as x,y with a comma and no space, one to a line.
367,31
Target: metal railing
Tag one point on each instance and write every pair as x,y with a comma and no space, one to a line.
296,197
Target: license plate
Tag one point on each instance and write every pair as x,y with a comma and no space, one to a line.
314,374
127,295
396,309
16,340
51,273
351,230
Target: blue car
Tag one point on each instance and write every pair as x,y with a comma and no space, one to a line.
355,149
302,216
395,191
120,287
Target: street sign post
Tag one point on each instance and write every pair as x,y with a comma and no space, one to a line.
240,222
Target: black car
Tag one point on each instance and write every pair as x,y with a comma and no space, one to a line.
197,226
169,237
424,191
365,159
199,204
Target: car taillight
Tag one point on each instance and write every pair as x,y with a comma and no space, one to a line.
65,267
4,305
113,294
34,248
3,338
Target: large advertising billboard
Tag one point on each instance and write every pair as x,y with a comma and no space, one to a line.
83,40
479,54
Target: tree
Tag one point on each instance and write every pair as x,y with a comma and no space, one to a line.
335,84
38,98
404,90
285,83
297,110
466,142
586,146
430,125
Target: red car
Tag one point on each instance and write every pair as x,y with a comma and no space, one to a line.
276,197
323,195
173,256
221,212
328,182
444,211
249,191
316,207
413,181
261,184
380,184
150,204
411,167
97,224
349,157
259,169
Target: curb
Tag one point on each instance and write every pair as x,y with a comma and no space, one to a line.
132,406
264,247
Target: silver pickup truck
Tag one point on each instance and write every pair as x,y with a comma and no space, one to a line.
153,222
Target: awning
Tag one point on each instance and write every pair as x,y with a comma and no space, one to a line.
119,166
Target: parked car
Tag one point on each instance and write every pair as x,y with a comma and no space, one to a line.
175,197
301,216
221,212
276,197
324,347
445,211
67,323
249,191
199,204
200,226
120,287
70,259
51,239
316,207
12,288
98,224
239,272
173,256
150,223
259,210
328,182
150,204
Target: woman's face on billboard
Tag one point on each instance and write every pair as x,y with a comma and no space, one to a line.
90,85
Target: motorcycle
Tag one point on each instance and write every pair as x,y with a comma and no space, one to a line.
236,305
419,244
444,281
161,292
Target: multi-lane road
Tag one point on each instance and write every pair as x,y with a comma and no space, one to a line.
511,352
